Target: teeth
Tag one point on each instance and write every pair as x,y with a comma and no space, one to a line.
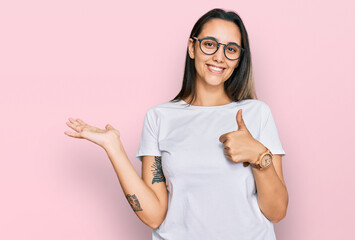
216,68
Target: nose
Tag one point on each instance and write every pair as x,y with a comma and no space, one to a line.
219,55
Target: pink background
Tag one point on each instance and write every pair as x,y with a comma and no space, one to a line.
61,59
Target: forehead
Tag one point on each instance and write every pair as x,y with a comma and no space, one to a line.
222,30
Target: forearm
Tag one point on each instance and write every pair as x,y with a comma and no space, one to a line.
142,199
272,193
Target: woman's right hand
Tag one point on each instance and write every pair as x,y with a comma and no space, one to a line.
101,137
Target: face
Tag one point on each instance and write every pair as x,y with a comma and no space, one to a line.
225,32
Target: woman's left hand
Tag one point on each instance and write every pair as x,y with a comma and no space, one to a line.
240,146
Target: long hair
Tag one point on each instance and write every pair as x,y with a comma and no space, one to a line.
240,84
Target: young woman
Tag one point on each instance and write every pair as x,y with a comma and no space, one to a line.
211,157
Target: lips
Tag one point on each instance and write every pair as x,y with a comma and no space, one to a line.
215,69
222,68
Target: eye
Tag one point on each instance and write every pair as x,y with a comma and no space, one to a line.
233,49
209,43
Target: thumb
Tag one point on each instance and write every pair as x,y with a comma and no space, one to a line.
240,121
108,127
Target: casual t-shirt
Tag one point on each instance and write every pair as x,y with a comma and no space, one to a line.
210,197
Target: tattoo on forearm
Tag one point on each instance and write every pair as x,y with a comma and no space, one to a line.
157,171
133,201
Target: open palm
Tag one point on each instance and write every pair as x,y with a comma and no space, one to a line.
101,137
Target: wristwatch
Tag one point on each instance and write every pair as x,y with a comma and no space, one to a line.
264,161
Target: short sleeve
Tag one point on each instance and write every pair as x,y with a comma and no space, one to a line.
148,144
268,134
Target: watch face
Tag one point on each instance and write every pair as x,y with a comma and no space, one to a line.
266,160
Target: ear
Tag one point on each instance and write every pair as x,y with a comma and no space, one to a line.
191,46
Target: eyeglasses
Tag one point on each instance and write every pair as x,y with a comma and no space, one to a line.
209,46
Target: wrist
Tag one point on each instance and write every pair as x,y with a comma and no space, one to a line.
114,144
257,153
264,160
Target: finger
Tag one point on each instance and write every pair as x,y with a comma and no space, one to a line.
74,126
73,121
77,122
228,157
245,164
71,134
223,138
226,152
81,121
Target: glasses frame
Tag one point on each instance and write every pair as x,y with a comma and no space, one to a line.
218,44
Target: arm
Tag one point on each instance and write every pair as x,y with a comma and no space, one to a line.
241,146
141,195
272,192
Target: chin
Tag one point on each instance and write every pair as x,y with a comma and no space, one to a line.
214,82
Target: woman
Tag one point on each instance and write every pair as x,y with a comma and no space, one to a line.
207,171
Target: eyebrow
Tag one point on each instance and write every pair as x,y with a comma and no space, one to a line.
218,40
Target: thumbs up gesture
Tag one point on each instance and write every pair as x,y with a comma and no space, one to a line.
240,146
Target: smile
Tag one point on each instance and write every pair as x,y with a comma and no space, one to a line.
215,69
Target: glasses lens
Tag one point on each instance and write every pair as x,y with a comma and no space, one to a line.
208,46
233,51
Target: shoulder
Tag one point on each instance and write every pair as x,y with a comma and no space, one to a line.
260,109
163,107
255,103
157,112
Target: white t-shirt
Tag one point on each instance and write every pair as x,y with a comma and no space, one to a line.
210,197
